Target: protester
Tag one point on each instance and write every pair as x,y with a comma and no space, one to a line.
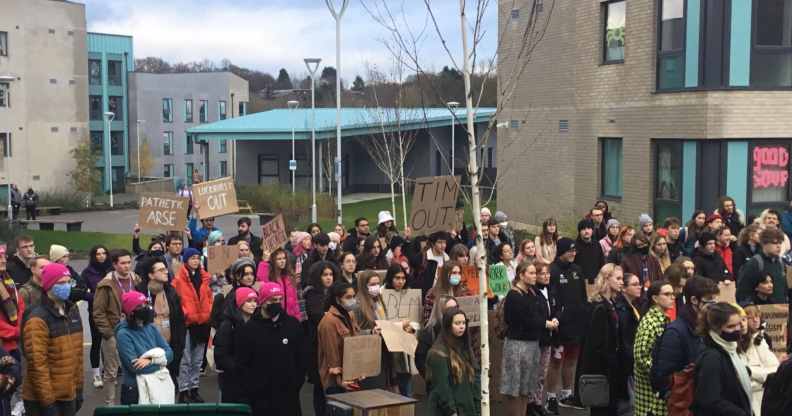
198,236
79,290
337,324
173,256
452,379
32,292
53,348
320,251
623,245
243,274
10,377
769,219
30,199
20,263
676,276
11,313
536,398
658,248
356,235
763,291
526,317
449,282
138,344
226,347
372,258
245,233
786,220
646,225
527,252
757,354
589,253
596,215
723,382
767,262
495,237
732,217
674,237
748,245
342,235
724,249
403,364
300,247
640,263
505,257
613,228
348,262
546,241
707,260
693,230
431,330
386,227
628,311
660,298
320,278
395,254
278,270
271,356
192,286
99,265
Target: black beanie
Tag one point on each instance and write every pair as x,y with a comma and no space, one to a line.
585,223
705,237
564,245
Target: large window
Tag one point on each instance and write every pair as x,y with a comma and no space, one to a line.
5,94
770,173
167,110
221,110
97,142
202,112
771,63
189,169
188,110
95,72
189,149
223,146
3,43
242,108
223,168
671,45
167,143
611,164
268,169
114,72
167,170
115,105
117,143
615,16
95,107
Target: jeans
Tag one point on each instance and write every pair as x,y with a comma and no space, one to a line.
30,212
62,408
190,368
405,384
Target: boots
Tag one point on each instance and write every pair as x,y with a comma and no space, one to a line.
184,397
195,397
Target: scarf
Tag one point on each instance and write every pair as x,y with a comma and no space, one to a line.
737,362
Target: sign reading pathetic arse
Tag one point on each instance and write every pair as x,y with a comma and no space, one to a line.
162,212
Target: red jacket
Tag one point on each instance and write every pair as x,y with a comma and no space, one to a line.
727,254
197,308
9,332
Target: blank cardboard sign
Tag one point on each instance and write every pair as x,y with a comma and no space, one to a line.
219,258
215,198
362,357
162,212
434,205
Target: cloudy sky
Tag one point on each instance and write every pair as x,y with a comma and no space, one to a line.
271,34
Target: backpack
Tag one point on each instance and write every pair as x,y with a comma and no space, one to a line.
777,398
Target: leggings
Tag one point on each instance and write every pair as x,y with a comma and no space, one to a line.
96,341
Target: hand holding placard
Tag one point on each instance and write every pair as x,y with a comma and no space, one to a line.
434,205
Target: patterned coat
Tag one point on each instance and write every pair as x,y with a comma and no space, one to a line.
649,330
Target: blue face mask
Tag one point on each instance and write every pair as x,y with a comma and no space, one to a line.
62,291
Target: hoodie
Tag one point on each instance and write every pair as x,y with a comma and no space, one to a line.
589,257
568,287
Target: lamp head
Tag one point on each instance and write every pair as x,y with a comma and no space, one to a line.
7,78
109,115
293,104
452,104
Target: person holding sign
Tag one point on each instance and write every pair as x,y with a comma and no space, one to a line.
321,277
198,236
756,352
372,309
403,364
453,385
338,323
449,282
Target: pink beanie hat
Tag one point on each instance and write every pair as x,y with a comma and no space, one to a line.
131,300
51,273
244,294
268,291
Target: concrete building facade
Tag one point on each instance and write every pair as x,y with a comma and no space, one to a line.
658,106
167,105
43,90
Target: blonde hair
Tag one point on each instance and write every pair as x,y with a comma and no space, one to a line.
601,281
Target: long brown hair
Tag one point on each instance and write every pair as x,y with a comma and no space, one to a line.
367,308
274,274
456,349
549,238
624,231
443,284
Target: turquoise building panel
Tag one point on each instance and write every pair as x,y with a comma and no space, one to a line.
692,43
689,152
737,173
740,44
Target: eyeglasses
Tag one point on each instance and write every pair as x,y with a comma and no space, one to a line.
668,294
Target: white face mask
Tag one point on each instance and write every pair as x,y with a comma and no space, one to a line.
332,245
374,291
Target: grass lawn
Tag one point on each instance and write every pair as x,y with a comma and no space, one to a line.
80,243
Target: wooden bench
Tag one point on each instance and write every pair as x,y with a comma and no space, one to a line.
39,211
49,225
245,206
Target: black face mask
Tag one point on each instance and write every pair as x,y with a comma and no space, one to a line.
731,336
274,309
642,250
157,253
144,315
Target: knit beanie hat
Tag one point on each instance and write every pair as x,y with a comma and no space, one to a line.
564,245
644,219
214,237
500,217
706,237
131,300
613,222
713,217
244,294
51,273
189,252
334,237
297,237
57,252
268,291
241,262
585,223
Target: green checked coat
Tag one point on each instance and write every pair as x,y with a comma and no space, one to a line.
649,330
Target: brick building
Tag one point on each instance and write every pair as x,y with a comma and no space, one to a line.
656,106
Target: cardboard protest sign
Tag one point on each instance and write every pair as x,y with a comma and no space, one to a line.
403,304
434,205
396,339
215,198
162,212
776,316
498,279
273,234
362,357
219,258
728,291
470,305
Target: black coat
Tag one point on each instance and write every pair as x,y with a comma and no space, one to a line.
314,307
270,354
18,270
741,254
718,390
589,257
628,327
177,325
549,305
711,265
525,314
313,258
569,289
601,349
225,348
676,348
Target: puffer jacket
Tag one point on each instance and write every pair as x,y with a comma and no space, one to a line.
54,354
291,302
107,311
197,307
10,326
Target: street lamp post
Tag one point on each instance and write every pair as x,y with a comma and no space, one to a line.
293,162
139,122
452,105
108,118
337,15
9,79
313,64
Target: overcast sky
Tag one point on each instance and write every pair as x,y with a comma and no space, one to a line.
270,34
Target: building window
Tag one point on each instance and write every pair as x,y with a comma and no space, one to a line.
670,59
97,142
117,143
221,110
95,107
188,110
5,142
167,170
5,94
611,164
223,146
203,116
95,72
770,174
189,150
114,72
3,43
242,108
167,143
268,169
615,16
223,168
771,63
167,110
188,172
115,105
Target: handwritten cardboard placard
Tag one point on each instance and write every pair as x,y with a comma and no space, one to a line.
219,258
471,306
434,205
728,292
362,357
273,234
162,212
776,316
403,304
215,198
396,339
498,279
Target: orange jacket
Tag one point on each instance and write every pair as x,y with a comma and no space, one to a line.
196,307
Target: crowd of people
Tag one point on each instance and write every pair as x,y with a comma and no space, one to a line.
624,320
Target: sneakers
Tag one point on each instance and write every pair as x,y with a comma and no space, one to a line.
571,402
552,406
97,381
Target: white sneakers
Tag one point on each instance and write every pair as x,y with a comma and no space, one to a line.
97,381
